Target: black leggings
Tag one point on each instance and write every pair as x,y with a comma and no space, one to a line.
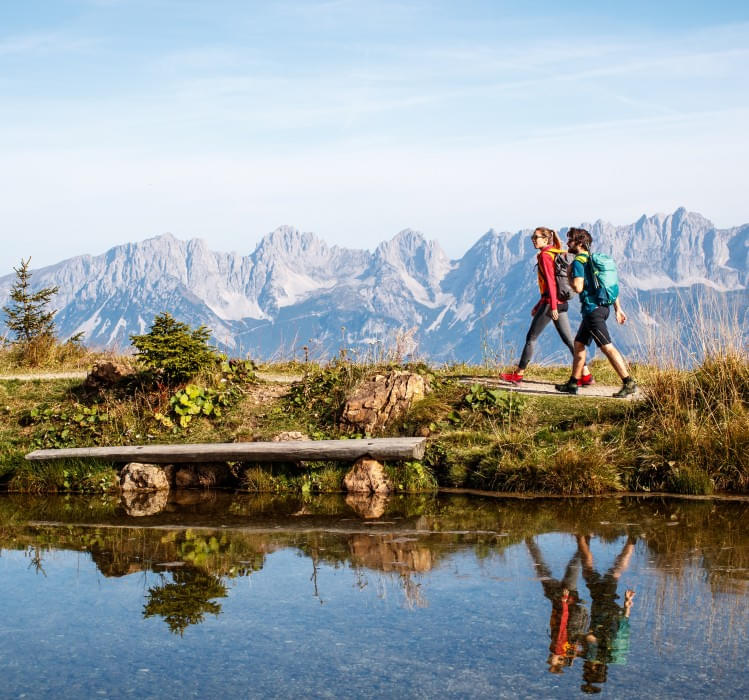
541,319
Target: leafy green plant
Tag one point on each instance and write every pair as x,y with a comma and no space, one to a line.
65,428
322,392
239,371
494,402
174,349
191,402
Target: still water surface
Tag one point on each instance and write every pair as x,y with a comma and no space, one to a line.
258,596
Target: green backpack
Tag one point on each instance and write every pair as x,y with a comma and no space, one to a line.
605,277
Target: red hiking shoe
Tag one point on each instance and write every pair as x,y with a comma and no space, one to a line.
512,377
586,380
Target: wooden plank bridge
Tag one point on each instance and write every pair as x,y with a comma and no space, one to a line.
291,451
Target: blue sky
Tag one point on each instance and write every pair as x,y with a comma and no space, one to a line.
124,119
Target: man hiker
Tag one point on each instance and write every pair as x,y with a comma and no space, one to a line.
595,311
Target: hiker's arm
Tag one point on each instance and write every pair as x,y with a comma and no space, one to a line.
577,284
628,596
621,317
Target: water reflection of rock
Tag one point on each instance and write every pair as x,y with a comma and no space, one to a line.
680,535
368,505
391,553
138,504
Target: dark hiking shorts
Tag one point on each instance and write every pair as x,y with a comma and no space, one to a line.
593,327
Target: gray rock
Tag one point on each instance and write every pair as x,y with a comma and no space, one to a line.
143,477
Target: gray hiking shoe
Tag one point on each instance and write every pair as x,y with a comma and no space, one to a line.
628,388
569,387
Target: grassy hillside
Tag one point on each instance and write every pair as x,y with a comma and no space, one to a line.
689,434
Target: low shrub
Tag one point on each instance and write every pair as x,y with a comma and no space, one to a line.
174,349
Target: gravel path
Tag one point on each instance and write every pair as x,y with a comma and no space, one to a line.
527,387
598,391
272,378
43,375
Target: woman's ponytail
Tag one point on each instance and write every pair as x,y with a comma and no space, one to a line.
557,240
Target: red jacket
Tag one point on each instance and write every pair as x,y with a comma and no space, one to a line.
547,282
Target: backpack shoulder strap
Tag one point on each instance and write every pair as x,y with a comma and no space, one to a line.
555,251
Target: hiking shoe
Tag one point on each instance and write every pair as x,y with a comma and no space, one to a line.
512,377
586,380
569,387
628,388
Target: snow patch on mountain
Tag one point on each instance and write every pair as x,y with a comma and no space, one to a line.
293,289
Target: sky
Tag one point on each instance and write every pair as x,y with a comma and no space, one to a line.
125,119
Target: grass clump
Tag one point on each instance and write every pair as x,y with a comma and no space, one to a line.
45,353
64,475
315,404
694,427
312,477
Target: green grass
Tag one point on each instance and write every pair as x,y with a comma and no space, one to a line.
689,435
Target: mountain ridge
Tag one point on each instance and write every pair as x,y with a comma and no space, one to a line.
294,288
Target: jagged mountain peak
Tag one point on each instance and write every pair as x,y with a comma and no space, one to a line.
289,241
295,284
410,255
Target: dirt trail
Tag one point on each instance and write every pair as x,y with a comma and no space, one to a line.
43,376
598,391
266,377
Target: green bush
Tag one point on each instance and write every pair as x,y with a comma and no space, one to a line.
174,349
494,402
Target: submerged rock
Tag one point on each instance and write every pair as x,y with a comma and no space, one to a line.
367,476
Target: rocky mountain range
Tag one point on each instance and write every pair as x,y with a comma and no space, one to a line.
678,271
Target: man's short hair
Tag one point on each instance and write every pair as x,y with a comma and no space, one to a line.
580,237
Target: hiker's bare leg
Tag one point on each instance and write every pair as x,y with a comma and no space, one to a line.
622,561
538,560
616,360
585,553
578,360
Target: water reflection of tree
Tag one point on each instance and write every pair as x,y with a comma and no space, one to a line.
186,599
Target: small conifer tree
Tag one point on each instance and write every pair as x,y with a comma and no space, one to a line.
28,316
174,348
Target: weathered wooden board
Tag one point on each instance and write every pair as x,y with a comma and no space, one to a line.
340,450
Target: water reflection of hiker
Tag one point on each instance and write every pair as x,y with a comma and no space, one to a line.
607,640
552,306
568,617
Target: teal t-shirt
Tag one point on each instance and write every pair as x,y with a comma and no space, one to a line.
580,268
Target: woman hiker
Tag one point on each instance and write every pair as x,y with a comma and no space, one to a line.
555,291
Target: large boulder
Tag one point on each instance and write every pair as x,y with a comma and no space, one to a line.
137,476
367,476
380,399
